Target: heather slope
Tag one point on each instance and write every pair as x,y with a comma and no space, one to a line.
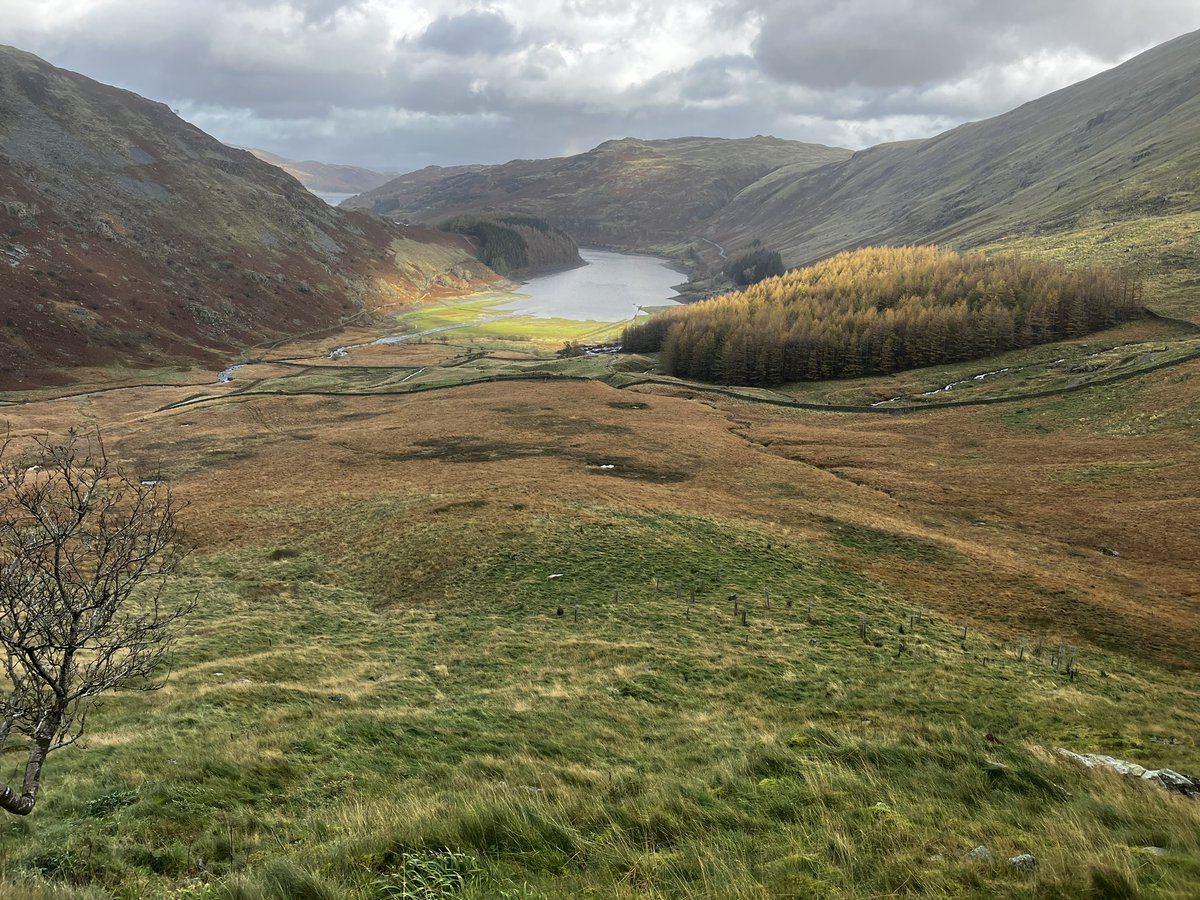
133,238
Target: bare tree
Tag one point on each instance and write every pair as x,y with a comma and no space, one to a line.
78,543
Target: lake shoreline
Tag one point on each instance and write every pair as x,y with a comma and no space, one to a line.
612,286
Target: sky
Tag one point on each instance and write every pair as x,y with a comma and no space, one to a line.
397,85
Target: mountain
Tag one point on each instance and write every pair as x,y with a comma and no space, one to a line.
1106,169
627,193
133,238
517,245
324,179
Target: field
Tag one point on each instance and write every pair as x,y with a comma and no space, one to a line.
478,633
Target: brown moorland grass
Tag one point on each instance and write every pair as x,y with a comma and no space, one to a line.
377,668
1024,500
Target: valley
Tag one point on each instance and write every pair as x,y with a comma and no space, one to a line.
486,602
375,556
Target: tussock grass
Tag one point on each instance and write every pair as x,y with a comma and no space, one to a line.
317,742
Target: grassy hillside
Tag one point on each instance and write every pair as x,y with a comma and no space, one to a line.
626,193
383,683
1114,159
132,238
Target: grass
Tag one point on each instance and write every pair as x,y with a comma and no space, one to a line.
1159,249
322,738
384,693
485,318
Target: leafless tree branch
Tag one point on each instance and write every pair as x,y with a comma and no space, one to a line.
84,557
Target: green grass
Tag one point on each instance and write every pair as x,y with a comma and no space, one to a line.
1109,409
469,318
470,368
1048,367
873,540
377,694
1159,249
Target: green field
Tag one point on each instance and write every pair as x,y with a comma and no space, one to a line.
323,735
384,694
483,317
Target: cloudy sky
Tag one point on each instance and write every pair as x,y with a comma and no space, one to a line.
399,85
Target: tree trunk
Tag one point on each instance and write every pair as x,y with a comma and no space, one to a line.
22,804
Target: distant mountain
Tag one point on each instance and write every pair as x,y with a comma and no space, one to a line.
325,179
1106,169
131,237
626,193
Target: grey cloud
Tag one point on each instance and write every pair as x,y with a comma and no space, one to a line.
332,80
487,33
322,13
882,44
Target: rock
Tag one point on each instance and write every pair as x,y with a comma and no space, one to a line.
1173,781
1166,779
1026,862
1121,766
979,854
1078,758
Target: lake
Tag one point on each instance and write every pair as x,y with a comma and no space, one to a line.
333,199
612,287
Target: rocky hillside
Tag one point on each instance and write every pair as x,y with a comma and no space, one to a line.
326,178
129,237
626,193
1105,170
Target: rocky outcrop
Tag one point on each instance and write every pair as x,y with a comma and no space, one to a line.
1166,779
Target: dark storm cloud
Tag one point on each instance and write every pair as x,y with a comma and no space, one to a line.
399,84
472,33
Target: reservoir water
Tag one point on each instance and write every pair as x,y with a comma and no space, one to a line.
612,287
333,199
